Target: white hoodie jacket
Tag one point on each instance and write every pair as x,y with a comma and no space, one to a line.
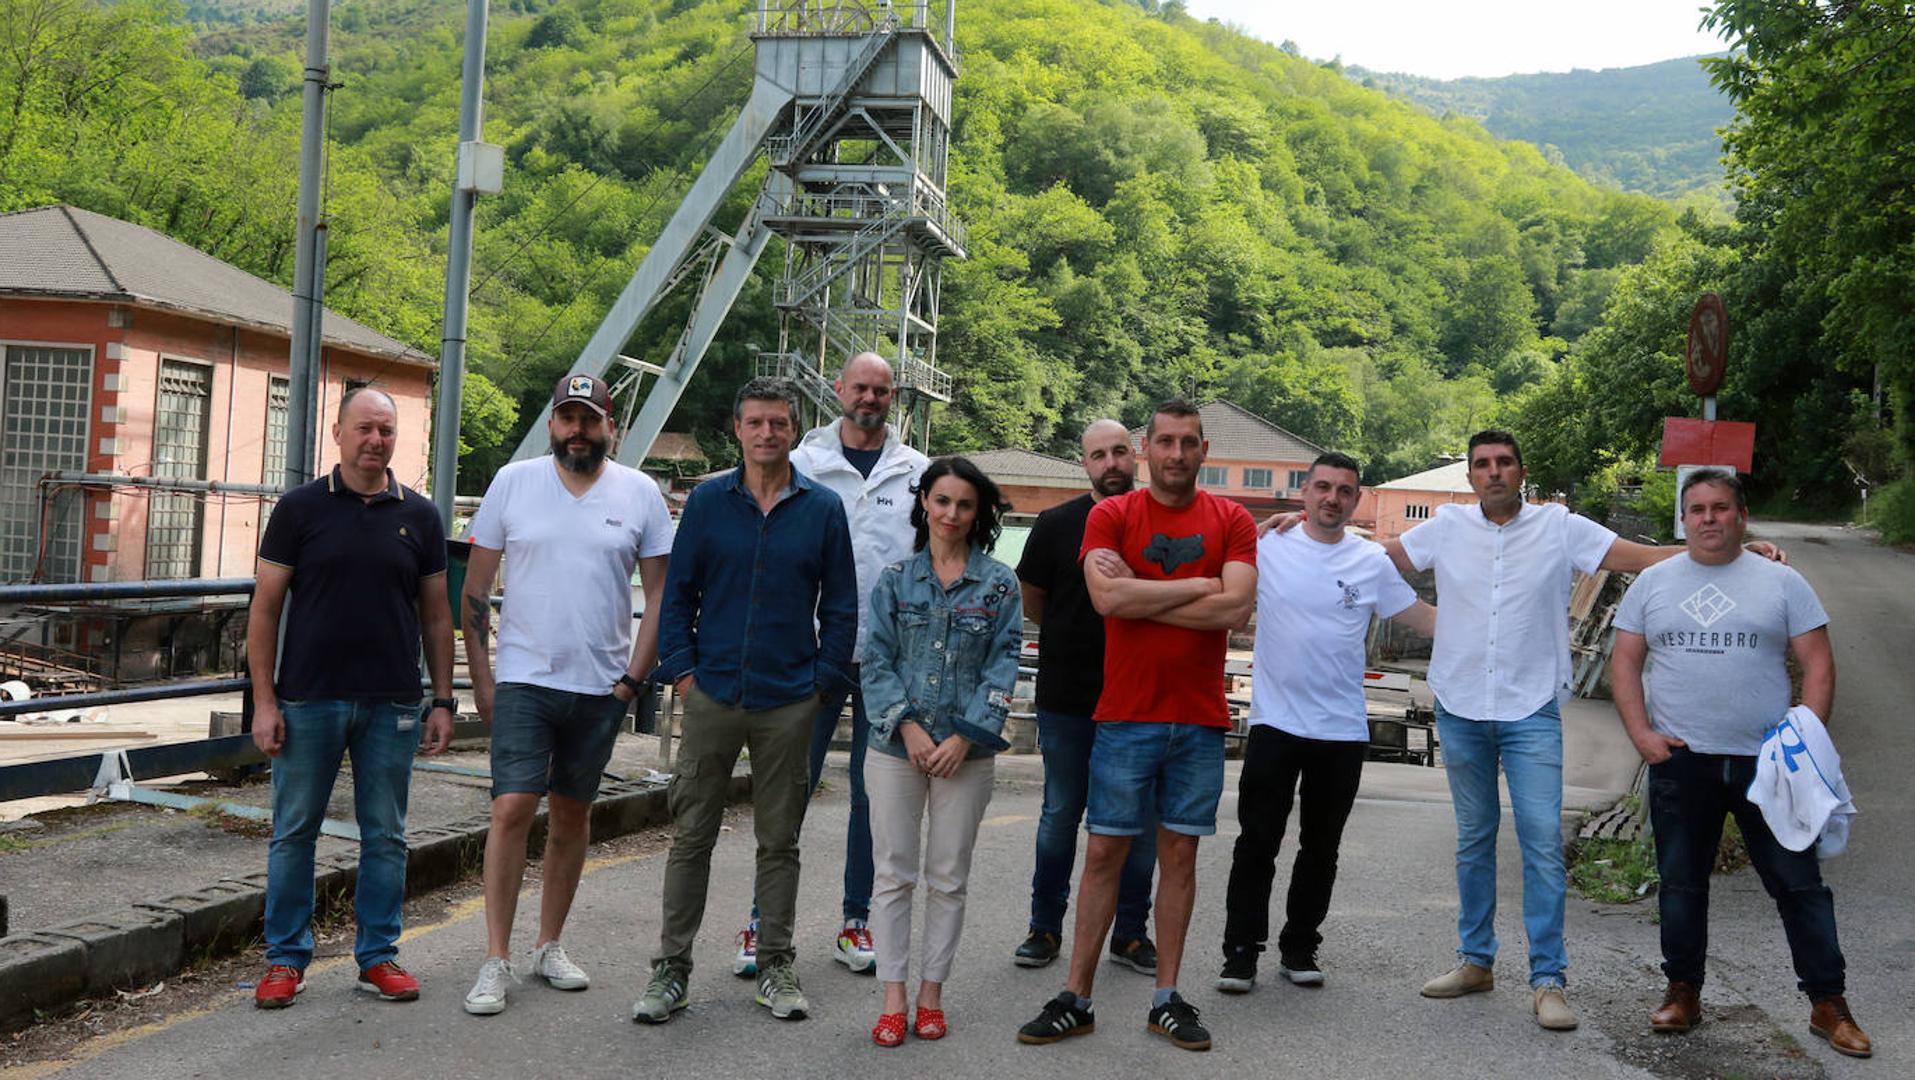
1799,788
879,507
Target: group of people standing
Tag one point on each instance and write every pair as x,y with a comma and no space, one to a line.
847,569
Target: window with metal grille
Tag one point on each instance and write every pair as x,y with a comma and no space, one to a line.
1258,479
45,398
272,470
279,393
1213,476
1416,512
176,520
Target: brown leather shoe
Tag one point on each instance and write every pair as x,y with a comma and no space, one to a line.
1681,1009
1830,1020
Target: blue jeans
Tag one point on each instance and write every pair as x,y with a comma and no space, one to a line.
382,737
858,868
1065,741
1689,795
1530,752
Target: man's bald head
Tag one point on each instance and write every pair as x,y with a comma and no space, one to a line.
1109,460
865,391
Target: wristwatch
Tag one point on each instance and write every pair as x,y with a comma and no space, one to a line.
636,686
449,704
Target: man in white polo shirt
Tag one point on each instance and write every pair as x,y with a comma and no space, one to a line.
570,526
1503,573
1317,587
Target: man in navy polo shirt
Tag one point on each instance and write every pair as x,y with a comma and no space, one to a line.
363,559
760,613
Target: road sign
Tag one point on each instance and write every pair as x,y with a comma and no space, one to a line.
1707,352
1687,441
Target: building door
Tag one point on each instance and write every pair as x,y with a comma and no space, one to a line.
175,521
46,395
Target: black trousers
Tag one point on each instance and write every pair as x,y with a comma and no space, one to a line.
1689,795
1278,767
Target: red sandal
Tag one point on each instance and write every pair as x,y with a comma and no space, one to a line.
890,1030
929,1024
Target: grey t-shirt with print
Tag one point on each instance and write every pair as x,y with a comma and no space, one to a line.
1718,641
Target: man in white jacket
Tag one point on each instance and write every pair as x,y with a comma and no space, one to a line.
861,458
1717,627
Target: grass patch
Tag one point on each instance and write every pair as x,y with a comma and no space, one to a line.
1612,871
1615,871
215,818
1892,511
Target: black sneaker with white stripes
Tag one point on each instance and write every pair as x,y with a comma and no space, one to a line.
1060,1019
1177,1021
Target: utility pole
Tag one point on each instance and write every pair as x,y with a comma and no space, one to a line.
303,383
480,171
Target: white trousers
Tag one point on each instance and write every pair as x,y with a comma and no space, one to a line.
918,820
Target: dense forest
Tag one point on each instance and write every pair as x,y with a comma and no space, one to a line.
1156,205
1649,128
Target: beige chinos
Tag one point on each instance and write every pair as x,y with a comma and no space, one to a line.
902,799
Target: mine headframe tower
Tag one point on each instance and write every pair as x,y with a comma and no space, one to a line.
852,105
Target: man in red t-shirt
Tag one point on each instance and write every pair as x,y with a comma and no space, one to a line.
1172,569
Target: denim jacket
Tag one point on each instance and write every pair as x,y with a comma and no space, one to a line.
943,658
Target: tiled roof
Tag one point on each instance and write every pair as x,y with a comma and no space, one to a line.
65,252
1030,469
1452,478
676,446
1237,434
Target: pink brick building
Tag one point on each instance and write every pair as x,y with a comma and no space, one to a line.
124,352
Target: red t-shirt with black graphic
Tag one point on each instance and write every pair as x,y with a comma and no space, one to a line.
1154,671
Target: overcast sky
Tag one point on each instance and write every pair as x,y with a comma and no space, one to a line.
1447,39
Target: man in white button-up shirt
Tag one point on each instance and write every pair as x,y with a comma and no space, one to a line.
1503,573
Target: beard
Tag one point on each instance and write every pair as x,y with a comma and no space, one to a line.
865,421
1114,482
584,462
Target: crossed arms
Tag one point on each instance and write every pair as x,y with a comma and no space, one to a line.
1205,603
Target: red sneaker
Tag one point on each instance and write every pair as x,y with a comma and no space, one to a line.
390,982
279,988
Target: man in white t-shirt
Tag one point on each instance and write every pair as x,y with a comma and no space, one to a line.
1317,588
1503,573
571,526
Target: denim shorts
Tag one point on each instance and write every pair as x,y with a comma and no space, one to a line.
1138,766
554,741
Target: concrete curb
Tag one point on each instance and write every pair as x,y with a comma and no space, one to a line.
151,940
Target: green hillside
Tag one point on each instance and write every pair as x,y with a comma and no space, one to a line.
1156,205
1651,128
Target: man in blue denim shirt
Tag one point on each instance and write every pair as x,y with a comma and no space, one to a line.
757,625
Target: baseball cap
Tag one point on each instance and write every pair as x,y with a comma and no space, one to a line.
587,390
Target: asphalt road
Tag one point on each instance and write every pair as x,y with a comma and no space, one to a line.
1392,926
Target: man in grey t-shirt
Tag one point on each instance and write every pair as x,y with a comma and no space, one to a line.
1716,626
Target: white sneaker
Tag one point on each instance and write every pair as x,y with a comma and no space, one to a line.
487,996
745,963
854,949
550,963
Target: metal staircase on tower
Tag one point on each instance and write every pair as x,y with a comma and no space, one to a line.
852,107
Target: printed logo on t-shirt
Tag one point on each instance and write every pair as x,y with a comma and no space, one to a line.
1171,552
1351,595
615,523
1707,605
885,500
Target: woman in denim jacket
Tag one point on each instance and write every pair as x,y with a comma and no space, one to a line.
939,668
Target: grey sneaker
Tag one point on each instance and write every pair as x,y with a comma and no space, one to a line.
550,963
664,995
487,996
778,991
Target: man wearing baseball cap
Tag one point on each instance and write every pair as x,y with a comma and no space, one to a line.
571,527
